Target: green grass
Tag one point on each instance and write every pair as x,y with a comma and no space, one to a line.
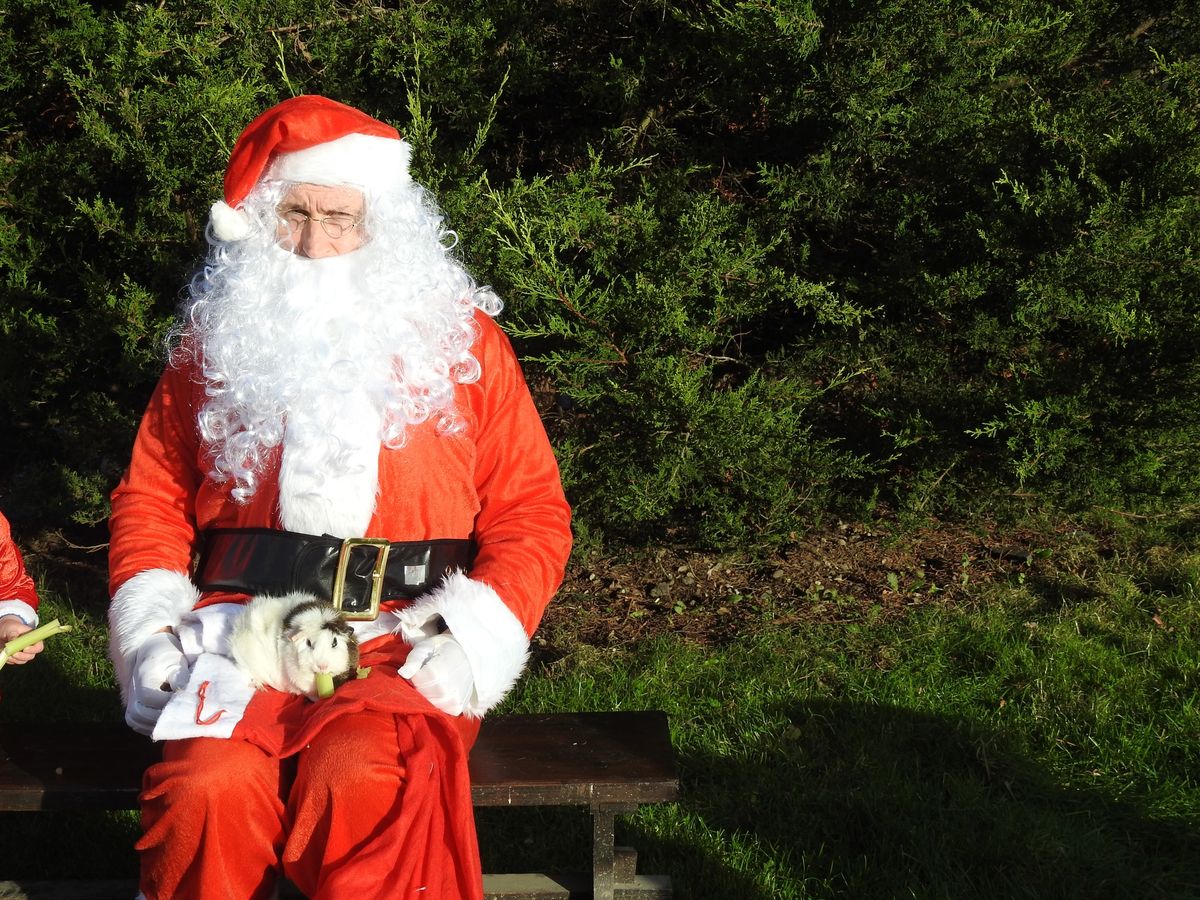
1043,742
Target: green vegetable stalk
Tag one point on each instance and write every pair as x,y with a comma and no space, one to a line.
21,641
324,685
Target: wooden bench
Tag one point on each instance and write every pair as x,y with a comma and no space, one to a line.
608,762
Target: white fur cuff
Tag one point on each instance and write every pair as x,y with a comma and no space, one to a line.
21,610
493,638
146,603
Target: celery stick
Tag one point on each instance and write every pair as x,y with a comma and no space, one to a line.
29,638
324,685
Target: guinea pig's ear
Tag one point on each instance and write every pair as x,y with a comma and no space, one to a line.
292,634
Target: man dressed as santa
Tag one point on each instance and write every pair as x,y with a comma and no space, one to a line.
339,416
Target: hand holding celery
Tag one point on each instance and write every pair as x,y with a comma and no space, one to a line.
29,638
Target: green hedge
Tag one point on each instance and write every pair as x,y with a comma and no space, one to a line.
764,260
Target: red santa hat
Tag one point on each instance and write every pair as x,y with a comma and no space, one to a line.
314,140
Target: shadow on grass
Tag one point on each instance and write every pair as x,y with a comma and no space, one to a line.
47,690
558,841
868,801
1056,594
62,844
1185,528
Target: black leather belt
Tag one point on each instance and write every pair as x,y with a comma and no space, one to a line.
354,574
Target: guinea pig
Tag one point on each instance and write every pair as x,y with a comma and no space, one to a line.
284,642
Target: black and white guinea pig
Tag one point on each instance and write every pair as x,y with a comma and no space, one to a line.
284,642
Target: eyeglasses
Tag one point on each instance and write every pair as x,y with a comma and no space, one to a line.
335,225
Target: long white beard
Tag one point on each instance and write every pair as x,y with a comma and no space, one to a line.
313,357
333,423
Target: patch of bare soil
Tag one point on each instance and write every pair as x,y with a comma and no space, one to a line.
72,563
848,572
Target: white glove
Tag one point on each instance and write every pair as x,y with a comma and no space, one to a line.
159,667
438,667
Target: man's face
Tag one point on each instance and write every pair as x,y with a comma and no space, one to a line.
318,220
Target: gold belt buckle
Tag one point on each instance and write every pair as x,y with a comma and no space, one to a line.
337,594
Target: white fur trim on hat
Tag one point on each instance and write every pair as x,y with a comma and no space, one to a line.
148,602
494,639
229,224
374,164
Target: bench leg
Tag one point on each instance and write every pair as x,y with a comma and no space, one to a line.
612,866
604,863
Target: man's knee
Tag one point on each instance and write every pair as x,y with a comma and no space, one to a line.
211,772
351,753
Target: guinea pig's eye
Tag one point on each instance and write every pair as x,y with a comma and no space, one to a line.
335,642
309,642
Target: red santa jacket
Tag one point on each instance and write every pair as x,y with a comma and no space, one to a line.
18,597
496,482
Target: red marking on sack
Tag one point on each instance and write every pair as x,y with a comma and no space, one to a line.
200,706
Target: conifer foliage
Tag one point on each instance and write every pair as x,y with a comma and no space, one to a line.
763,260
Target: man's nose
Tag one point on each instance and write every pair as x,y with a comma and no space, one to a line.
314,243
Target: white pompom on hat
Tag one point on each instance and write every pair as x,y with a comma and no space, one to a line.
314,140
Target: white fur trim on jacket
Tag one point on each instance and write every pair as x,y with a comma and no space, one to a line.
494,639
146,603
316,497
21,610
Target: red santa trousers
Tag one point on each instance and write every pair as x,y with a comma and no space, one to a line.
347,798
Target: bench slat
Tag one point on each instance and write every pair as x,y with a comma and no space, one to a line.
570,759
574,759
